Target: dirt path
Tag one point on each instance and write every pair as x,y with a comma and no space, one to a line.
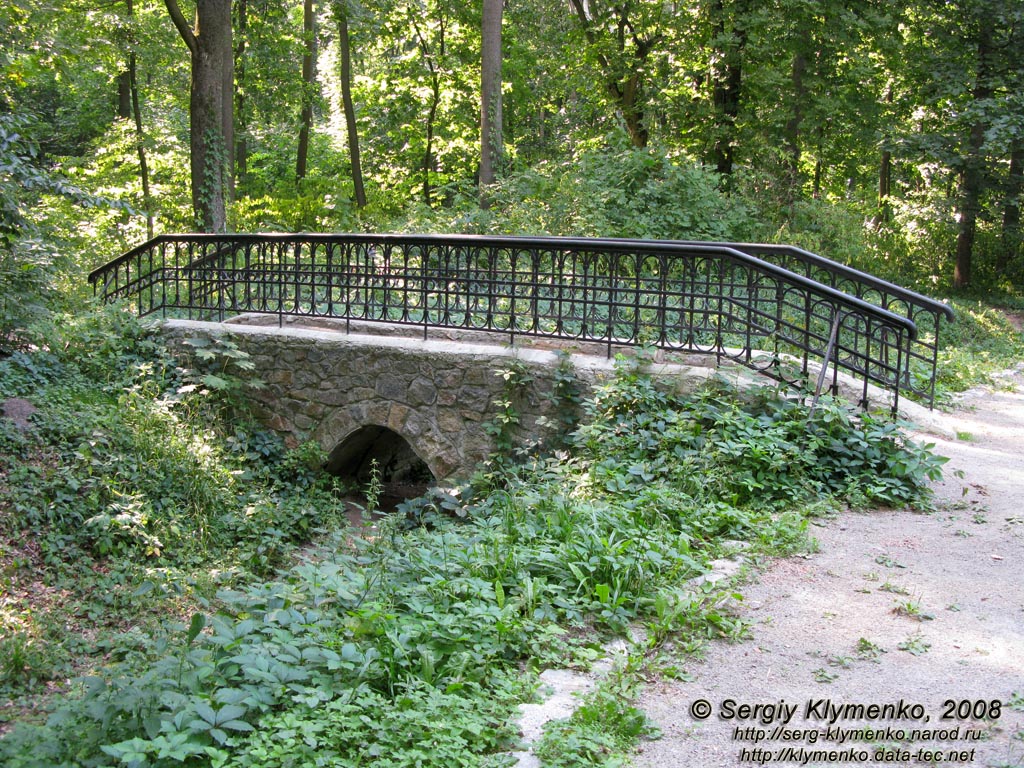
894,607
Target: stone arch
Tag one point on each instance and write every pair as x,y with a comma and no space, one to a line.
430,441
396,459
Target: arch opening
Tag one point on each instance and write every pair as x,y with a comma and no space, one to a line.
403,474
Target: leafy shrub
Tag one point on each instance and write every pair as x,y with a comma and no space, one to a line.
598,732
128,460
766,450
613,191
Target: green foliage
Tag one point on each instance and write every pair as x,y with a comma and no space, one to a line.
319,210
504,426
24,659
25,289
566,402
26,261
125,461
575,93
411,645
980,343
598,733
766,451
612,190
133,499
655,194
220,367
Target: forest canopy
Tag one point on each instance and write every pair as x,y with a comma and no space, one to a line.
885,135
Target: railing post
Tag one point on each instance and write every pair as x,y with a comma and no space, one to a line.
829,349
663,262
867,361
899,355
613,272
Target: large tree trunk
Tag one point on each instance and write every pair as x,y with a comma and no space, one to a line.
491,140
210,107
226,56
968,206
344,44
791,133
308,86
972,178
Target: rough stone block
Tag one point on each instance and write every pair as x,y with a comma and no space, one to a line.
422,392
393,387
474,399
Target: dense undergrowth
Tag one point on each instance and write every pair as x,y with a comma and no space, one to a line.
167,541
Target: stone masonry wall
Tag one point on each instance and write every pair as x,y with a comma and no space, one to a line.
324,385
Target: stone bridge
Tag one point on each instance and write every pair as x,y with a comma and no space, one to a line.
779,311
377,394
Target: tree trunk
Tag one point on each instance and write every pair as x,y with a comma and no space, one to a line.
124,86
210,108
884,214
226,56
818,165
140,146
128,108
350,110
630,95
124,96
626,92
428,152
491,139
435,100
972,179
241,106
793,125
308,86
1010,251
968,206
726,75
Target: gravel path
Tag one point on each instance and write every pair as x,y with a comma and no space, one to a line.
893,608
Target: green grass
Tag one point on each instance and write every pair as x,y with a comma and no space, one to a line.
981,342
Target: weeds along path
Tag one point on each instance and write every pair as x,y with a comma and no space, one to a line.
892,607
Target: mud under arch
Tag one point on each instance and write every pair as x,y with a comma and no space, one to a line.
403,473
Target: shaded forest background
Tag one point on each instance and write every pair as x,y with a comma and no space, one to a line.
885,135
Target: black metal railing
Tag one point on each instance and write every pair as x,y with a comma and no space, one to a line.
927,313
695,297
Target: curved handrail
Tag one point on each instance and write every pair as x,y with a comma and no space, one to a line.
839,269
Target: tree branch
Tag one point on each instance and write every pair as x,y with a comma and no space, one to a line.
183,28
